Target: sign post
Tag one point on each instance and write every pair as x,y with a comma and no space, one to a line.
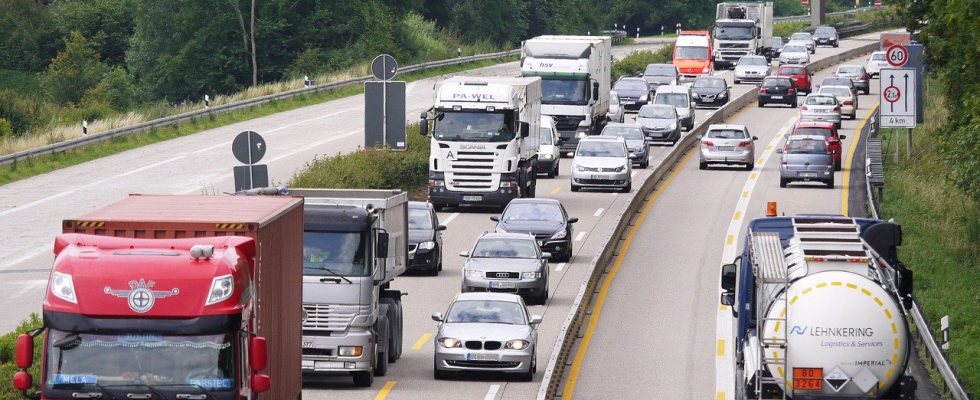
249,147
384,107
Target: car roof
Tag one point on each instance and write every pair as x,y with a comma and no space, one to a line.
623,125
708,77
726,127
814,124
820,95
536,200
849,66
631,78
508,297
419,205
600,138
673,89
836,86
507,235
656,106
805,137
795,42
750,56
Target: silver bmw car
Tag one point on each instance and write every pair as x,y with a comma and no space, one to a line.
486,332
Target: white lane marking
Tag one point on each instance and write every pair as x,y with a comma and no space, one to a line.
492,393
578,238
36,252
598,212
559,267
223,144
724,362
450,218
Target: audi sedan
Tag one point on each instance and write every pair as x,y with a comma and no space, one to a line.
507,262
546,219
486,332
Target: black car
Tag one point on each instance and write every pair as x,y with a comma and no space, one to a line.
777,89
826,36
776,49
633,92
424,238
546,219
710,91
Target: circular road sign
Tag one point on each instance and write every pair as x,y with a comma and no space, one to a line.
897,55
384,67
892,94
248,147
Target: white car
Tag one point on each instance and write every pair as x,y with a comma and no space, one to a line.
794,53
681,98
602,162
751,68
875,63
616,112
848,101
807,38
549,155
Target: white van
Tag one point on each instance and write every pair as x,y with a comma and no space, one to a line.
681,98
548,153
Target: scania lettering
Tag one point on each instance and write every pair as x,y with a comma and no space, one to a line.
741,29
575,73
484,142
815,297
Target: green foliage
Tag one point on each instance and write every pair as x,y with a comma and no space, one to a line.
502,22
785,30
311,61
637,61
22,112
108,24
73,71
419,38
6,130
8,350
116,90
20,81
27,37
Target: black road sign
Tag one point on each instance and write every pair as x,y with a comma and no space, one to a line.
384,114
251,176
384,67
248,147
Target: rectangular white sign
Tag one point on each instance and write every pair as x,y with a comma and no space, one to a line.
898,97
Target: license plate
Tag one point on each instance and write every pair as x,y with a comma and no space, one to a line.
808,174
472,198
726,148
777,97
600,177
807,378
308,364
329,364
482,357
502,285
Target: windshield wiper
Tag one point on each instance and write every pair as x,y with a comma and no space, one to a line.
330,271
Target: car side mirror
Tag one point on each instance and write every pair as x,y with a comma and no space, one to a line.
546,256
728,298
573,220
535,319
754,138
780,151
441,228
258,355
261,383
437,316
595,91
842,137
494,218
423,125
464,254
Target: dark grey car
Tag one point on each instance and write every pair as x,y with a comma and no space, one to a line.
826,36
633,93
507,262
657,75
710,91
424,238
660,122
806,159
637,143
544,218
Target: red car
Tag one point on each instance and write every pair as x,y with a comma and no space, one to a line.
827,130
799,74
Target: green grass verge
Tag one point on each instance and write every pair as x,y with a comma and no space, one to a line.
44,164
8,348
941,231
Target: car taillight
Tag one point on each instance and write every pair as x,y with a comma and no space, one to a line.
805,108
762,90
709,143
848,103
837,109
745,144
864,77
791,91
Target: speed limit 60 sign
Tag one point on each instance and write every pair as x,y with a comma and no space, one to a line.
897,55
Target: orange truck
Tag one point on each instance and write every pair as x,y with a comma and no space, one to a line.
692,54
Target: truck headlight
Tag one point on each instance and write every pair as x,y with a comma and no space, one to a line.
63,288
560,234
517,344
705,70
222,288
349,351
531,275
473,274
508,184
450,343
429,245
437,182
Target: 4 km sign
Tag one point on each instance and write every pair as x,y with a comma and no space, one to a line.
898,98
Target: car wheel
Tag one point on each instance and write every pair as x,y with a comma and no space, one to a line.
783,182
792,104
575,188
363,378
702,165
645,164
628,188
867,91
438,207
750,166
437,374
568,253
830,183
838,124
737,81
837,165
761,104
529,375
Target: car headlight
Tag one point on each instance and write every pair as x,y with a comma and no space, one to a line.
560,234
473,273
63,288
706,70
349,351
450,343
673,125
580,134
429,245
619,169
518,344
643,98
580,168
531,275
222,288
722,95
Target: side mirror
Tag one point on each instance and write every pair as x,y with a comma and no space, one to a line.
535,319
494,218
261,383
437,316
464,254
424,125
257,354
728,298
573,220
780,151
25,351
441,228
525,129
692,104
381,250
23,381
842,137
754,138
546,256
595,91
698,137
728,273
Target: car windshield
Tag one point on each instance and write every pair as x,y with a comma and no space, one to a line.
165,362
727,134
564,91
334,253
878,56
691,53
625,132
776,82
836,91
794,48
813,132
630,85
824,30
600,149
851,70
806,146
663,112
486,311
505,248
709,83
678,100
821,101
419,218
800,36
546,137
479,126
660,70
791,71
752,61
734,32
533,212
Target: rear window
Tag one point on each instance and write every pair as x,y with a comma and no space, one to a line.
825,132
821,101
795,48
727,134
838,91
776,82
850,70
631,85
878,56
806,146
791,70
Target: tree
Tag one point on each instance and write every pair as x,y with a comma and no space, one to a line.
73,71
503,22
116,90
108,24
27,38
248,36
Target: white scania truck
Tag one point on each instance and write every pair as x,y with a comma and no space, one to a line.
820,305
741,29
575,73
485,136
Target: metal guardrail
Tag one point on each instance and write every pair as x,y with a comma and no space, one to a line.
804,18
874,170
175,119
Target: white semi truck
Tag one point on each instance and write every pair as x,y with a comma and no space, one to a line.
355,243
741,29
820,306
485,135
575,73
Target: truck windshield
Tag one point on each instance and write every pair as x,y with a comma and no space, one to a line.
473,126
724,32
131,362
691,53
334,253
565,91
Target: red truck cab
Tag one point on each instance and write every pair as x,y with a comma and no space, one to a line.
827,130
692,54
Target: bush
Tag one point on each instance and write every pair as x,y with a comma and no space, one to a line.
22,112
8,350
420,39
637,61
6,130
73,71
116,90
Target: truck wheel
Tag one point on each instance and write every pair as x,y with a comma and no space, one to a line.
395,318
381,357
363,378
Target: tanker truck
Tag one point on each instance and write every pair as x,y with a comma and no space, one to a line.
820,307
